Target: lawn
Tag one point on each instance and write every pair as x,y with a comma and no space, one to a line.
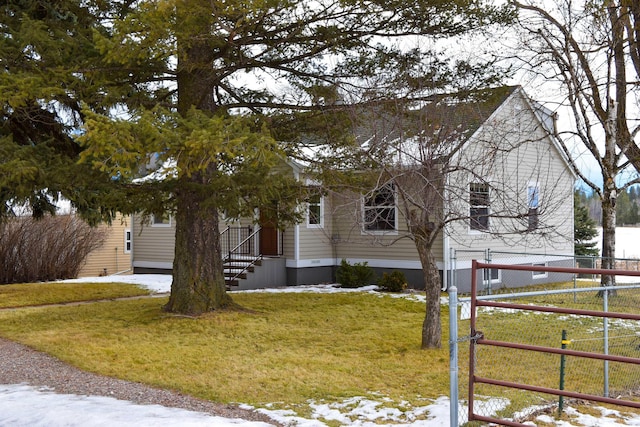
284,349
281,348
27,294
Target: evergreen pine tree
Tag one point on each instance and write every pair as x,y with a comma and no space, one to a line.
584,230
205,84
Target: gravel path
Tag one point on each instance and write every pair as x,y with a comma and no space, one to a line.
22,365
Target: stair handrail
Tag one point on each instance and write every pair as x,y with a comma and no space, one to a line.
253,256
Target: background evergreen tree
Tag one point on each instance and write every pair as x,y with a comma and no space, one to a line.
584,228
50,68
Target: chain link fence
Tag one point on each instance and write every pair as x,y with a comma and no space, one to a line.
580,333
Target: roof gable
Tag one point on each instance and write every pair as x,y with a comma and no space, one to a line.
431,127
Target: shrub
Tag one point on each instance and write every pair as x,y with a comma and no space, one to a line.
354,276
45,249
394,282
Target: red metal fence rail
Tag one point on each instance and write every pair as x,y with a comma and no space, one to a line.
481,340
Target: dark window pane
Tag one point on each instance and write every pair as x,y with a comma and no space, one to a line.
479,206
479,218
379,211
314,214
533,219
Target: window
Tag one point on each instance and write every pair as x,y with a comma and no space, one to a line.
539,274
161,220
533,200
315,214
127,241
479,206
491,276
380,209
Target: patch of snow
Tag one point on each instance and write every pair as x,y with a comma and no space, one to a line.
160,283
22,405
169,169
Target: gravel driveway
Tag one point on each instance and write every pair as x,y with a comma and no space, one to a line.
22,365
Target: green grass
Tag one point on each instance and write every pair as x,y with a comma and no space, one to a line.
26,294
289,348
283,348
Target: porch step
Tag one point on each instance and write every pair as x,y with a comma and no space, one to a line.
237,269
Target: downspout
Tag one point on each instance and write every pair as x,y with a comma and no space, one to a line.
445,241
446,259
296,238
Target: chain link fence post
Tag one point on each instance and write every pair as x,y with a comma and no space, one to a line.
453,355
605,333
487,273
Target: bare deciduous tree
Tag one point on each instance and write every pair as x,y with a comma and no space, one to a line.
474,167
591,50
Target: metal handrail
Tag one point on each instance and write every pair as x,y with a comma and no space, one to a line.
247,242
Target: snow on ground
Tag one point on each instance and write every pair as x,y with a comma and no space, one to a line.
22,405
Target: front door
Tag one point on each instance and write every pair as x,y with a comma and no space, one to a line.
268,236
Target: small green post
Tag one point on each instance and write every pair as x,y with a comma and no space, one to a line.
562,366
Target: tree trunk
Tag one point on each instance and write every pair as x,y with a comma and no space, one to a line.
198,281
608,234
198,278
431,327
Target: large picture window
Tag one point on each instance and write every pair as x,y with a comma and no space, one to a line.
380,209
479,203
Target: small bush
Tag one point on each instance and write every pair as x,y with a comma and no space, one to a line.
51,248
394,282
354,276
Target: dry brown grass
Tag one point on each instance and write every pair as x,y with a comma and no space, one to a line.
289,347
29,294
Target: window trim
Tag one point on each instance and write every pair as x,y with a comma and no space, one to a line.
320,204
539,274
365,208
128,241
487,206
533,212
487,273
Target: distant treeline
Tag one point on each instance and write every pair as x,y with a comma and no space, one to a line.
626,206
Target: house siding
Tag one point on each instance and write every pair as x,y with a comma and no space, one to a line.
153,246
315,242
535,161
111,257
379,249
384,252
315,259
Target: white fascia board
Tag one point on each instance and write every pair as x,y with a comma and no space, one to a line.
515,260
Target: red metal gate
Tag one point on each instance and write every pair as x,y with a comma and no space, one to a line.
481,340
